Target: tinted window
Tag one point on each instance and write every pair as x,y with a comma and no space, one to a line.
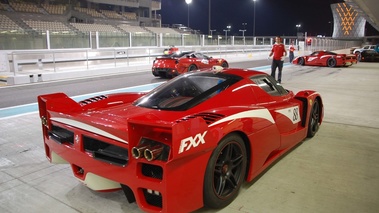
268,84
186,91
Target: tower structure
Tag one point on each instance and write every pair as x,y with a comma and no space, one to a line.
347,22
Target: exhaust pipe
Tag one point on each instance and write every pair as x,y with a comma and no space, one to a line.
138,151
151,153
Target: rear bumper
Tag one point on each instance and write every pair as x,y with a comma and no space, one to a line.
164,72
156,186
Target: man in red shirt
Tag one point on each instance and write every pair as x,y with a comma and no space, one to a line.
278,52
292,50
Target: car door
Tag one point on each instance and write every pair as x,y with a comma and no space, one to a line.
313,58
214,61
202,61
284,109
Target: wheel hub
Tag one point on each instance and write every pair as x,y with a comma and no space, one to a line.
225,169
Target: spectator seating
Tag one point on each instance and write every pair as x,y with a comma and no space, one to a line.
89,11
24,7
47,25
132,29
94,27
111,14
129,15
7,24
162,30
54,9
60,23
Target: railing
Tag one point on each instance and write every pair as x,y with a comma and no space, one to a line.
57,52
31,40
21,62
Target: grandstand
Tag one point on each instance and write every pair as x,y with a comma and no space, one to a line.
7,24
55,9
83,27
24,7
132,29
43,26
159,30
30,17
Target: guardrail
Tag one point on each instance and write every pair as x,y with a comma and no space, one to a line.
42,65
58,60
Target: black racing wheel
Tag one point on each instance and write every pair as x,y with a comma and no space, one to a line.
224,64
192,67
301,61
331,62
225,172
314,119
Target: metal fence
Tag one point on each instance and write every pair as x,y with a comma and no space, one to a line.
56,52
28,40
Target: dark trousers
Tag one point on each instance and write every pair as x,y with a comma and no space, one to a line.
277,64
291,56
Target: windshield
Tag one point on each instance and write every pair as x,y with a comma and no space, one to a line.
176,55
186,91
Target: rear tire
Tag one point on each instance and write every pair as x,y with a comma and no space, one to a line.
331,62
314,119
301,61
225,172
192,67
225,65
359,57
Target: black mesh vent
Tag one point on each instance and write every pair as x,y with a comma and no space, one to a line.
61,135
106,152
162,70
92,100
152,198
208,117
152,171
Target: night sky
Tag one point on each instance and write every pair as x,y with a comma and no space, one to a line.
272,17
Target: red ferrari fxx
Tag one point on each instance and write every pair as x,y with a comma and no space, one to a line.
190,142
326,58
175,64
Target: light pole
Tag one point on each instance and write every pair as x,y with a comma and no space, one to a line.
211,36
212,32
188,3
209,18
297,31
297,35
254,19
226,33
243,32
243,36
244,25
298,26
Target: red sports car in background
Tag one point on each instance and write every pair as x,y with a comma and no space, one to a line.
326,58
175,64
188,143
171,50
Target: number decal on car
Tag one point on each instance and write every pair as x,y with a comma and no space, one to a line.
204,61
295,114
292,113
